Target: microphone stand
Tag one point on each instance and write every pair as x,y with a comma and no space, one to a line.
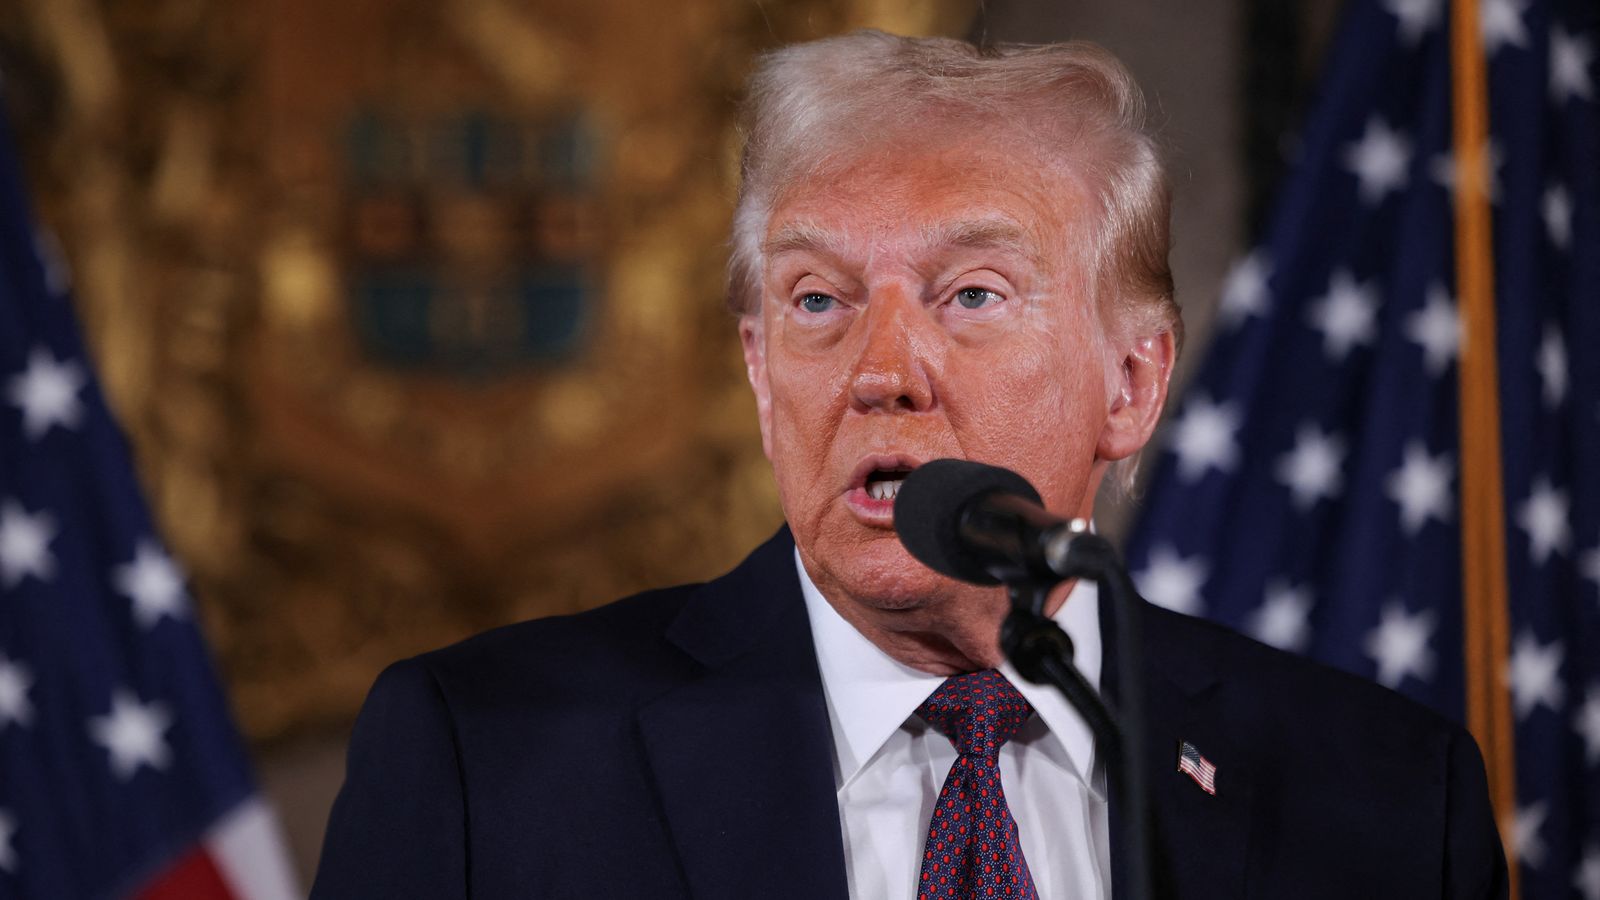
1042,653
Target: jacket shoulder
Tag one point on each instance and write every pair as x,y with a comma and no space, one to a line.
616,649
630,645
1349,777
1312,695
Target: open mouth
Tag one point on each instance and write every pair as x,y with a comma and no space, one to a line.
875,483
884,484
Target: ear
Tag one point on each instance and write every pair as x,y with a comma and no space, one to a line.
753,337
1140,394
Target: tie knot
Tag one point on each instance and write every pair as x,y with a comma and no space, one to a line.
977,711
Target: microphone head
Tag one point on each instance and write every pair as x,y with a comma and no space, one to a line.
928,508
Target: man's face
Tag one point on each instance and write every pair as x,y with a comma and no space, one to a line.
918,304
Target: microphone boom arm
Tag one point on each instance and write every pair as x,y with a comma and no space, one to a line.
1042,653
987,525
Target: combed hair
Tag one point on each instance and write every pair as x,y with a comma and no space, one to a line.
816,104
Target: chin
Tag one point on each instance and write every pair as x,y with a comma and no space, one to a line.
882,575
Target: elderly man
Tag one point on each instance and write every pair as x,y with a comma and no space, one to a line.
938,252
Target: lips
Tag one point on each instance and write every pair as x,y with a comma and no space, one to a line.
874,484
878,468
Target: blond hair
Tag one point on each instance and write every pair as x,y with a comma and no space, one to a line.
813,104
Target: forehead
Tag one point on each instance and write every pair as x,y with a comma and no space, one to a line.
939,191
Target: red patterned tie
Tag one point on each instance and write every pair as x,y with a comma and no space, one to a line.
972,849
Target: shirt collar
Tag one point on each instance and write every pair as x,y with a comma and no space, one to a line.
870,694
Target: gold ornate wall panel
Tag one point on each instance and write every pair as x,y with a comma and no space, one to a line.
411,309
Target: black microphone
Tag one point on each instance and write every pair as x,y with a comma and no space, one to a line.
987,525
982,524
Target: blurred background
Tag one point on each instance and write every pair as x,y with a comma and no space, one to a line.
412,311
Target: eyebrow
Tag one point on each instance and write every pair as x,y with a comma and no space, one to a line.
985,233
803,236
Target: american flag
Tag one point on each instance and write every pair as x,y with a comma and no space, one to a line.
1191,763
121,774
1308,492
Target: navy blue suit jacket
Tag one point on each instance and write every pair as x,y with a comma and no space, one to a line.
676,744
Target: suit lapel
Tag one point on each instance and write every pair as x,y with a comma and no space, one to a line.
742,753
1200,841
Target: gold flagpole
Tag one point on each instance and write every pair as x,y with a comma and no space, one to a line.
1483,542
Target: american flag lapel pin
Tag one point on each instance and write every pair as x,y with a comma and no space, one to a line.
1191,763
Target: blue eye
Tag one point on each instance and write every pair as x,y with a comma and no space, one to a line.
976,298
817,303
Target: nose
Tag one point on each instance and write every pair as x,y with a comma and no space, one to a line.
891,373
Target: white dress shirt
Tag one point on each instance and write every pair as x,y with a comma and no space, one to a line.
889,764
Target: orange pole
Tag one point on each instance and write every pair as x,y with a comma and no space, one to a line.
1483,540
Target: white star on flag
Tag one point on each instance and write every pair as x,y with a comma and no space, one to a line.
8,829
1203,437
1500,22
1346,315
1587,881
1416,17
1173,582
1436,327
1282,620
1588,725
1244,293
15,680
1557,211
1421,486
1526,844
1379,161
154,584
1399,645
1589,565
47,393
1535,675
1312,469
1552,365
1570,58
133,734
25,544
1544,517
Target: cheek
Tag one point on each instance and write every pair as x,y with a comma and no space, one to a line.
801,392
1031,383
1038,408
807,403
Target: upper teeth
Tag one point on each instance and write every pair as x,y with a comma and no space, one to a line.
883,490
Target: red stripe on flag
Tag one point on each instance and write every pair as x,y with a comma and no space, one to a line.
193,877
